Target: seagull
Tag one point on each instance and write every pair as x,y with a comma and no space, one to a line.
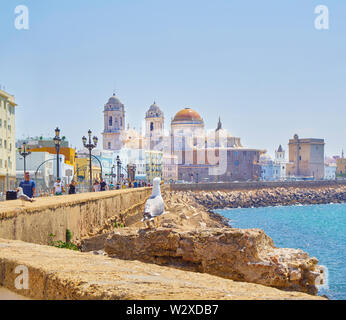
22,196
154,207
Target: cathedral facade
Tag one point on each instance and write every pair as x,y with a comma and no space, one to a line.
200,155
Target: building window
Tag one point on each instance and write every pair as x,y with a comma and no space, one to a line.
151,126
109,145
110,121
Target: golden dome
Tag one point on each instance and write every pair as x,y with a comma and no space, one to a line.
187,114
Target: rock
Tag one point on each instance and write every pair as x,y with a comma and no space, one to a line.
242,255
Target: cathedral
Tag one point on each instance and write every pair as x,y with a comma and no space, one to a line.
213,155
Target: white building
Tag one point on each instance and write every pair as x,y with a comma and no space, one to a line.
280,159
39,165
329,171
270,171
42,168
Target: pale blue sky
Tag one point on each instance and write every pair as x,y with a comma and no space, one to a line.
260,65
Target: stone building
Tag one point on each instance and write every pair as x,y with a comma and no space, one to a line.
198,155
153,162
170,168
306,158
214,156
341,166
114,124
154,130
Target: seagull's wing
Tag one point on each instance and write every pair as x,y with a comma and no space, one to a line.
24,197
153,207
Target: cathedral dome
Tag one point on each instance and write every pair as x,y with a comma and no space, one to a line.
187,115
154,111
113,103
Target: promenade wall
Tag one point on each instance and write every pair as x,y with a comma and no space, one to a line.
82,214
255,185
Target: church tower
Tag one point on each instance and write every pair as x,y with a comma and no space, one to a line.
279,155
114,124
154,127
281,160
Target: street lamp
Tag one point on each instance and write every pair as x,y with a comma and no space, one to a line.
112,173
118,169
90,146
24,152
57,142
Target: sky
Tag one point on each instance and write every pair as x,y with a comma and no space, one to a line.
262,66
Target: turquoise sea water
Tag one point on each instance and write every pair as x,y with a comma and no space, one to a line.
319,230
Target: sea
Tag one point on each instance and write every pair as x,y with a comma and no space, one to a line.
319,230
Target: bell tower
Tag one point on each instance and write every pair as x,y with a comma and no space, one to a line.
154,127
114,124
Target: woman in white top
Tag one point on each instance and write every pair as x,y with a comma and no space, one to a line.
96,186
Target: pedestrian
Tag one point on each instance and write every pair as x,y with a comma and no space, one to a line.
135,184
72,187
28,186
96,186
58,187
103,185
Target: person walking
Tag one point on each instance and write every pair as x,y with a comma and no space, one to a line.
96,186
103,185
72,187
28,186
58,188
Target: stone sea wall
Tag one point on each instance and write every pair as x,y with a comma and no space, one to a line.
212,186
82,214
269,197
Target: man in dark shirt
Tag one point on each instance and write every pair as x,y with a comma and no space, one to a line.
103,185
28,186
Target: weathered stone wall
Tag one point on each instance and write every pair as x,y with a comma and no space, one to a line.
237,254
255,185
82,214
59,274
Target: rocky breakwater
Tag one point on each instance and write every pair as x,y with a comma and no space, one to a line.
241,255
268,197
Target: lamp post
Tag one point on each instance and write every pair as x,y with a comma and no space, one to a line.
24,152
57,142
118,169
112,173
89,145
